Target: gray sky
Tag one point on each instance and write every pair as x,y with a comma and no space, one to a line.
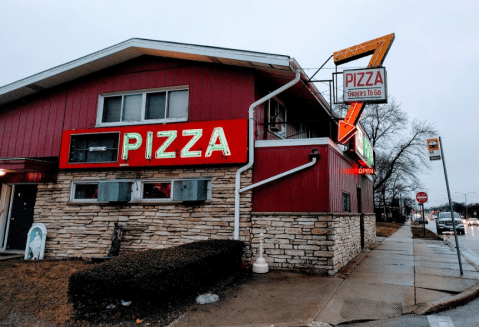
432,66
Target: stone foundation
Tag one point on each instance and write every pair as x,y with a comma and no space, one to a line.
84,230
311,242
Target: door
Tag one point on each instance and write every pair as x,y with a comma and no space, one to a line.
21,215
361,217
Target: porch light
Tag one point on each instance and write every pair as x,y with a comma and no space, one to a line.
2,172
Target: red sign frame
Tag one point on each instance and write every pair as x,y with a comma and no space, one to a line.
420,197
197,143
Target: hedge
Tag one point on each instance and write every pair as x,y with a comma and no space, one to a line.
154,276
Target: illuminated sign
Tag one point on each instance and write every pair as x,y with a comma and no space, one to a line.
434,149
360,171
360,148
365,85
178,144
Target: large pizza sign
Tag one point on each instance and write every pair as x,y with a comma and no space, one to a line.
178,144
365,85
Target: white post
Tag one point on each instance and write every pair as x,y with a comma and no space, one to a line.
260,266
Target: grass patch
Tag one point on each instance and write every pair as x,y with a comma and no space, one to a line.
386,229
417,232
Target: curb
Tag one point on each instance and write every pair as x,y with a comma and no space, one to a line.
456,300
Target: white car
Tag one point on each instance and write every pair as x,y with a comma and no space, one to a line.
473,221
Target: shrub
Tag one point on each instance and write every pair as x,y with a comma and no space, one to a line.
154,276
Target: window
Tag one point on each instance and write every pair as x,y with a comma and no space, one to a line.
85,192
102,147
346,202
148,191
276,116
143,107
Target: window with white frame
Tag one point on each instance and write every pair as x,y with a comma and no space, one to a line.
143,107
149,191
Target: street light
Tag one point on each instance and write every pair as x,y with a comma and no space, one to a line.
465,199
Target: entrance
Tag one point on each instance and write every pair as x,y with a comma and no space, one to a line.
361,217
17,218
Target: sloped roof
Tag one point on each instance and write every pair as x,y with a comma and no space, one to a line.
278,68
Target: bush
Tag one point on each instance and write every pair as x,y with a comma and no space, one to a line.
154,276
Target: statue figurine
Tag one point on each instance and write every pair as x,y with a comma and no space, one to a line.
116,240
36,246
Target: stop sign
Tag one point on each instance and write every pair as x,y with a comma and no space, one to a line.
421,197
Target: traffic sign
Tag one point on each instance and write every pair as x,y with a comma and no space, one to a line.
421,197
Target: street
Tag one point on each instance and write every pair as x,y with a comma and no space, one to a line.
468,243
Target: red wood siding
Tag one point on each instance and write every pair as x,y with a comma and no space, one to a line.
316,189
340,182
33,128
304,191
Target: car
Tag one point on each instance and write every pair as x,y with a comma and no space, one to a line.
444,223
472,221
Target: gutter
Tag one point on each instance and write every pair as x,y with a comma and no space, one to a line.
251,147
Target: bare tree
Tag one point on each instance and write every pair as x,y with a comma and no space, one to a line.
399,146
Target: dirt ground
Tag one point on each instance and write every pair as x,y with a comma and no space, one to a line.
34,294
417,232
386,229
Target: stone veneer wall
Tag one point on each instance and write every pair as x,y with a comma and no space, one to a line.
311,242
84,230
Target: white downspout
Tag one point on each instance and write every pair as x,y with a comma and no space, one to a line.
251,147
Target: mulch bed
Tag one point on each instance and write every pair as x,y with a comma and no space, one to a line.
386,229
34,293
417,232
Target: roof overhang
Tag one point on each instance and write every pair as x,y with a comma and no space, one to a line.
279,67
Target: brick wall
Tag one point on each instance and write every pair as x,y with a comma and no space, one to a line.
311,242
84,230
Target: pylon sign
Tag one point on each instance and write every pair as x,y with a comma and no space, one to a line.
434,149
421,197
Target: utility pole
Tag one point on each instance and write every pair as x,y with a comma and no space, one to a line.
465,199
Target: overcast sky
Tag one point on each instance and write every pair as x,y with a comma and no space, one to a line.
432,65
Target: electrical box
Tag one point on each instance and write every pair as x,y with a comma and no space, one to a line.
190,190
114,191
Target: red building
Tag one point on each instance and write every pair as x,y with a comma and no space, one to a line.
175,142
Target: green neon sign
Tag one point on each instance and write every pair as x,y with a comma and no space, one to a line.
368,151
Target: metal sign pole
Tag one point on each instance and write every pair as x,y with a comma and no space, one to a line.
450,207
423,222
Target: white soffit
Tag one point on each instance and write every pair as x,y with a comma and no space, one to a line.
133,48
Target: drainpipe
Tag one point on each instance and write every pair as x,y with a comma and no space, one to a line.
251,147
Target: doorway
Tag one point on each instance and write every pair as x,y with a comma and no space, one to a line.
361,216
18,203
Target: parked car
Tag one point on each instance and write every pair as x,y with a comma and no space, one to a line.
444,223
472,221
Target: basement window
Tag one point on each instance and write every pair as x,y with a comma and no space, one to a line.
84,192
143,107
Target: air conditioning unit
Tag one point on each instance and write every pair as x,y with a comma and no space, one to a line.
276,125
190,190
114,191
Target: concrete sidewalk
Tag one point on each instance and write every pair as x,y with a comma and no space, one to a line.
397,277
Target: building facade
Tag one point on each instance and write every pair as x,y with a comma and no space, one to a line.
174,142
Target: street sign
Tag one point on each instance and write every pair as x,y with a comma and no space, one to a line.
433,147
421,197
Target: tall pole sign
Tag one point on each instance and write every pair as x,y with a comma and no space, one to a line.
369,83
439,145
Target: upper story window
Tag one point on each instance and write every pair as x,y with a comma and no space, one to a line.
143,107
276,117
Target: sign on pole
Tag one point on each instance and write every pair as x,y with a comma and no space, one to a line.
421,197
433,147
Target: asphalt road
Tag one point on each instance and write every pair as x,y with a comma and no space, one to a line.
468,243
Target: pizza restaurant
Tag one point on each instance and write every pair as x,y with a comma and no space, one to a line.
178,143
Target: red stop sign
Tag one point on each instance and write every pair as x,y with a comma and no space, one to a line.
421,197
